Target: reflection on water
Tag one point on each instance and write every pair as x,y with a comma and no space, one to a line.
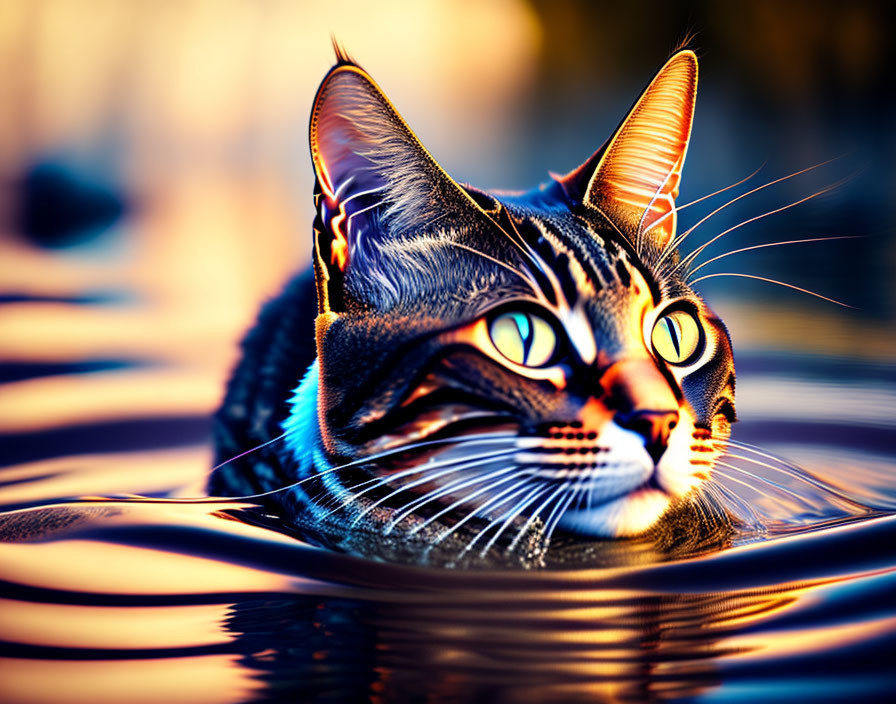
104,600
114,351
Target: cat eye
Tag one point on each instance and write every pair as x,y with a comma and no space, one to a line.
677,337
524,338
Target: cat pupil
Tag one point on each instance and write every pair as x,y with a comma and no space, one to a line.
523,338
672,329
525,330
676,337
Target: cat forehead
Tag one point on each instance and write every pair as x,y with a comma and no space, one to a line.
589,282
586,258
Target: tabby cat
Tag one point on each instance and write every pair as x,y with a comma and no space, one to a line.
486,374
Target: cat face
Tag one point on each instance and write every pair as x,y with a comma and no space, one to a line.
549,336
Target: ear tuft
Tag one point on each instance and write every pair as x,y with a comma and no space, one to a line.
342,56
636,180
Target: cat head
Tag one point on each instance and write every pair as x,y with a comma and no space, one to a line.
549,335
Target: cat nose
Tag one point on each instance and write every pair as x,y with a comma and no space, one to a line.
654,426
642,401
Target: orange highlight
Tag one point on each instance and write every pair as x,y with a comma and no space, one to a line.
339,245
638,177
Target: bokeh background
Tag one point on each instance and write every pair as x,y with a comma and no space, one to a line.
155,185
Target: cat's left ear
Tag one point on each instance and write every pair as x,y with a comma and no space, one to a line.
634,178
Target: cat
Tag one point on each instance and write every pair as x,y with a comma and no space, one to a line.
466,373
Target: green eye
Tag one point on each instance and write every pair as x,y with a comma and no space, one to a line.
524,338
676,337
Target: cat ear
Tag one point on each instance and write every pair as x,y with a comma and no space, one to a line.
634,178
375,179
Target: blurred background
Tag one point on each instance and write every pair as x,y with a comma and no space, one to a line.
155,185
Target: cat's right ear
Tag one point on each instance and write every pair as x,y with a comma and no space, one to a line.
375,180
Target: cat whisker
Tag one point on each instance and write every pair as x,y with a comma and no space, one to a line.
554,520
439,492
248,452
501,522
521,506
771,281
556,511
672,211
784,490
453,466
716,509
470,439
762,452
686,261
676,243
529,521
771,244
792,471
734,479
535,288
546,271
474,439
765,480
724,495
491,503
708,508
461,441
701,508
518,240
531,254
502,479
678,208
583,496
712,489
786,470
589,496
714,193
619,232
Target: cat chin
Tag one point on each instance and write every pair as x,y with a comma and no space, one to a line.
624,517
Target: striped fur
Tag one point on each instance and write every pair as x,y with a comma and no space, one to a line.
402,419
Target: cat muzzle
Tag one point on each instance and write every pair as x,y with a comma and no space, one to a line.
643,401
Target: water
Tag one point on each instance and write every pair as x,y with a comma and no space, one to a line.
114,352
205,601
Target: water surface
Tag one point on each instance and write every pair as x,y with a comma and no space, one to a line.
202,601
